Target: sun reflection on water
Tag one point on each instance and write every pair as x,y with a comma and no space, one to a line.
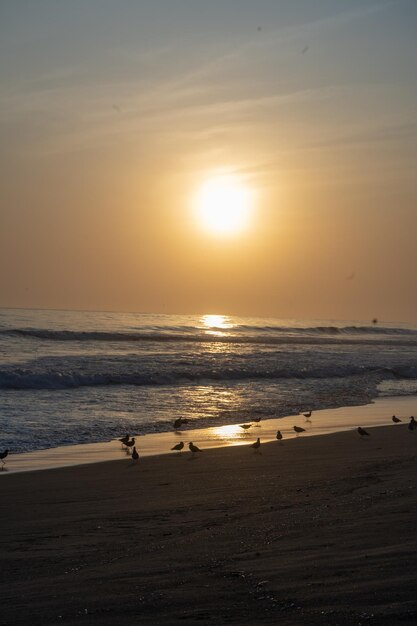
216,324
231,433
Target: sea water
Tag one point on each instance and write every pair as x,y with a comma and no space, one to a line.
71,377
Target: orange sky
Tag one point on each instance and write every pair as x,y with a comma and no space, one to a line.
111,119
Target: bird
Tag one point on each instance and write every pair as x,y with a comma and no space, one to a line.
179,446
257,420
3,456
279,435
135,455
179,422
245,426
193,448
395,419
299,430
256,445
307,415
130,444
413,424
362,432
124,440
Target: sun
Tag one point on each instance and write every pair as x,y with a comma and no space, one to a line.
223,204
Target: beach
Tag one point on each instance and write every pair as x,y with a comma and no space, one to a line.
316,530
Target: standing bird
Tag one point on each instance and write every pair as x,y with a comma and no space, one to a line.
193,448
395,419
413,424
256,445
179,422
124,440
308,415
130,444
362,432
245,426
135,455
178,447
257,420
3,456
299,430
279,435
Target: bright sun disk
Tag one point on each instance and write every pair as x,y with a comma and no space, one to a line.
223,204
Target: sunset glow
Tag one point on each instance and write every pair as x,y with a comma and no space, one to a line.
223,205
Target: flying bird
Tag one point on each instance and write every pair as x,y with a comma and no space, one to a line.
395,419
279,435
193,448
362,432
3,456
299,430
256,445
245,426
179,446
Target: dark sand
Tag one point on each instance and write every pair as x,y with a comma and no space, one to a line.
320,530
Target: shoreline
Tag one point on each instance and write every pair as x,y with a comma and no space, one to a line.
323,422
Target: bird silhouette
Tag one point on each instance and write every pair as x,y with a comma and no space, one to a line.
395,419
257,420
124,440
362,432
135,455
279,435
413,424
3,456
193,448
179,422
130,444
308,414
179,446
256,445
299,430
245,426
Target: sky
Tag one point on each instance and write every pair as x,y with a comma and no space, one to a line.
114,113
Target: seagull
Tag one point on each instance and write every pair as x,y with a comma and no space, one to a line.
130,444
245,426
256,445
193,448
279,435
3,456
179,422
413,424
299,430
362,432
179,446
135,455
395,419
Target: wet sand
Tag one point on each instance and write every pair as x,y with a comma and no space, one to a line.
325,421
318,530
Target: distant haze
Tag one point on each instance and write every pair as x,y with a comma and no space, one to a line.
113,112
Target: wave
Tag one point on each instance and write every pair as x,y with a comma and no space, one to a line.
237,334
22,378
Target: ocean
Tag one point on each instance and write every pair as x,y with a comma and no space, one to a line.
69,377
